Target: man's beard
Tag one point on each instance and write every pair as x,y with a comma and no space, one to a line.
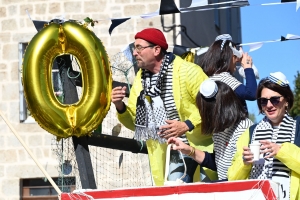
140,63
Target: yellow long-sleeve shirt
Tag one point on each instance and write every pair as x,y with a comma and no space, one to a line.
289,154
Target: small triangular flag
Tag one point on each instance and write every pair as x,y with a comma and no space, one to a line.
283,38
116,22
168,7
39,25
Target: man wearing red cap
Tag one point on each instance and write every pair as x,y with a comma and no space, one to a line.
162,104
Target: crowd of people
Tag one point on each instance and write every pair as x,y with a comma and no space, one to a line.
200,109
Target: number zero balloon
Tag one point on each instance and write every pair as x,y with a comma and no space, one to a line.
59,119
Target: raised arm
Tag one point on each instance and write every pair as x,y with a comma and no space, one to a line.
247,91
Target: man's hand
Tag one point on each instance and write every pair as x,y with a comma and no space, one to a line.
117,96
173,128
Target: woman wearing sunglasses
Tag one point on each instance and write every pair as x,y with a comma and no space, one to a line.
279,136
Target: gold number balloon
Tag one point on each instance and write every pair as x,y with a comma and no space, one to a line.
59,119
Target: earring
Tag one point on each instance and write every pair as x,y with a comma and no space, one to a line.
286,109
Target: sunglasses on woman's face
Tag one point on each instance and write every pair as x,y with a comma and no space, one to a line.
274,100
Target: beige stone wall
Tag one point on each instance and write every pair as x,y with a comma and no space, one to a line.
16,27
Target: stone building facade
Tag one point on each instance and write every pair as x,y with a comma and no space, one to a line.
16,27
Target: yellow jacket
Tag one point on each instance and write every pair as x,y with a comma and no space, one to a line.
289,154
187,78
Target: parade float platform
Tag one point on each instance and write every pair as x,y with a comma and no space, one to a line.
248,189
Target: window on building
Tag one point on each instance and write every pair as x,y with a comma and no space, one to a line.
40,188
23,107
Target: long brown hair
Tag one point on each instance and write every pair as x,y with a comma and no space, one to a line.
216,61
220,112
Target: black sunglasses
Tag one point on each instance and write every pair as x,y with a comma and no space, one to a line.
274,100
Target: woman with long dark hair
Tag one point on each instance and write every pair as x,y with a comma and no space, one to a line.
219,63
223,117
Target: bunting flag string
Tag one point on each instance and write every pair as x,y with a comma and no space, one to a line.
257,45
169,7
180,50
233,4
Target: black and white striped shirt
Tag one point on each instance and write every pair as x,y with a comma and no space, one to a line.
272,168
226,78
225,146
264,131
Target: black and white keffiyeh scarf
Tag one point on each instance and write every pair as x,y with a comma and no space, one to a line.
151,112
272,168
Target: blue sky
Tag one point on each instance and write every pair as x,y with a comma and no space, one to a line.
265,23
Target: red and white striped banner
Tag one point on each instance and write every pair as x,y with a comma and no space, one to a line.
250,189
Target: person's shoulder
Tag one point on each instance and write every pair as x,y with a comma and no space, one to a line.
224,74
221,75
246,122
249,123
183,63
243,125
297,119
226,78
